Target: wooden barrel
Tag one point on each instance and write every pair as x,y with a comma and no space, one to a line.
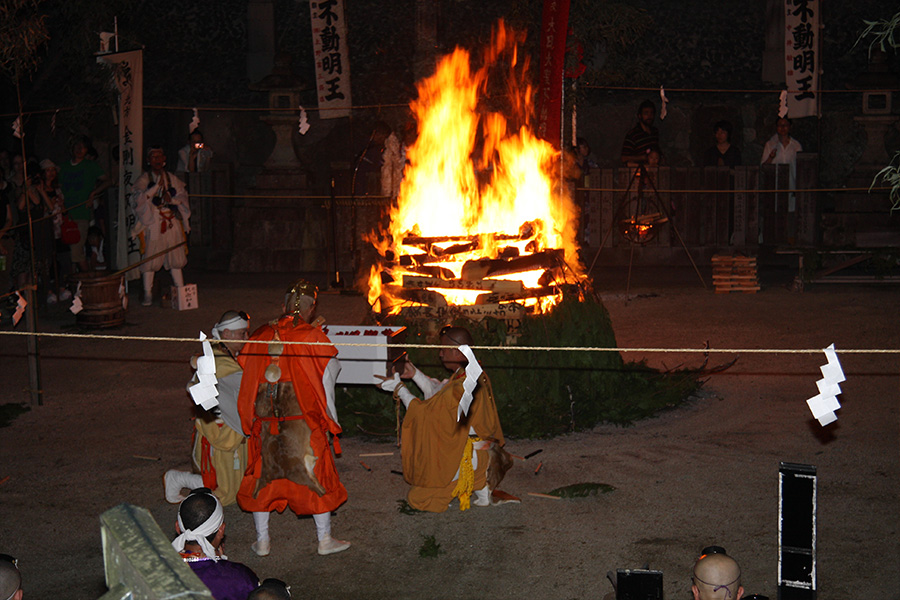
100,299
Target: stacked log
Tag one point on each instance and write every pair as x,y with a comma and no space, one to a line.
735,274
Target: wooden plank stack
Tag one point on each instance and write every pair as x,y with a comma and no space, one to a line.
735,273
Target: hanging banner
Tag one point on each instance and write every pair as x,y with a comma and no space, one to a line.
129,74
801,57
553,55
329,31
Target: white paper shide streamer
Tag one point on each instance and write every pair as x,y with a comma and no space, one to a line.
17,127
122,294
473,372
195,122
782,107
825,402
77,305
303,125
20,309
663,100
204,392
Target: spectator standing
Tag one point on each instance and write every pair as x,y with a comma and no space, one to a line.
782,149
643,138
32,234
585,161
49,188
82,181
195,156
16,176
722,153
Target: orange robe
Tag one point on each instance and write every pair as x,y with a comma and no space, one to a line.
433,441
302,366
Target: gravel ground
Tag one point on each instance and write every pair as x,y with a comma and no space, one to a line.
115,417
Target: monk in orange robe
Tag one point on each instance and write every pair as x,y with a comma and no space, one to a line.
286,405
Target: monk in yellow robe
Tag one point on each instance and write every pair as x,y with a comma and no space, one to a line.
446,457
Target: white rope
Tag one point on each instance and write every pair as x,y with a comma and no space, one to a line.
704,350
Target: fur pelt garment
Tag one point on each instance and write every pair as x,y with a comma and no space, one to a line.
284,445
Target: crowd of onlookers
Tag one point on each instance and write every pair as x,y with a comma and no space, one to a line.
53,220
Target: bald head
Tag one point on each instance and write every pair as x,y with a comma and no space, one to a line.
10,581
717,577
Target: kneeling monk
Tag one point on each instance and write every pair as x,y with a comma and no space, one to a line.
445,457
286,404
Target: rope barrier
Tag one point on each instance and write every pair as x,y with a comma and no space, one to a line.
46,111
705,350
405,104
50,216
373,200
382,199
735,91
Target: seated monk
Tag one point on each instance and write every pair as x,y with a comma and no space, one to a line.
445,457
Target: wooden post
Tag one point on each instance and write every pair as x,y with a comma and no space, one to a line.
739,208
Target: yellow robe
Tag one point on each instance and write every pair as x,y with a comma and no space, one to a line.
433,441
222,460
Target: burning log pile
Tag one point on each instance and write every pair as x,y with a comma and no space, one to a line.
454,271
481,226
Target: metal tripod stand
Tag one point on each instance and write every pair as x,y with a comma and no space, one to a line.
639,218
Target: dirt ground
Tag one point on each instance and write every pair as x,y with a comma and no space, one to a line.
115,417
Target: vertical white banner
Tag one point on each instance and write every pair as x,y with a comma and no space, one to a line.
329,30
129,74
801,57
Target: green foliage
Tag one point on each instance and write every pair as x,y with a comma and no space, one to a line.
430,548
883,32
890,175
9,412
539,393
22,31
582,490
404,508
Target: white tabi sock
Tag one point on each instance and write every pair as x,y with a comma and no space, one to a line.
148,282
261,520
177,277
323,525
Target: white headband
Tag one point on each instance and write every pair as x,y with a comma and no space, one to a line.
198,535
232,324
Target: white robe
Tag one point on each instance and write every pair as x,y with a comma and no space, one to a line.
165,225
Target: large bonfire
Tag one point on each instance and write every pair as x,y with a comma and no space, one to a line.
481,217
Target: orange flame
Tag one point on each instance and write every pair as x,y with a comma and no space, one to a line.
474,171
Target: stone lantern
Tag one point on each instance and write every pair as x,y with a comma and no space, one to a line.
876,83
284,101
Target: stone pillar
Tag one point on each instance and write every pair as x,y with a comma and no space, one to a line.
260,38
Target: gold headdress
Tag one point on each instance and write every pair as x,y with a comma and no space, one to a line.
297,297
